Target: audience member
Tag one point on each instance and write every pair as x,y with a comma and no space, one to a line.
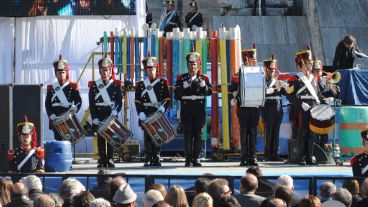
327,189
310,201
44,200
287,181
101,190
100,202
68,189
353,187
34,186
161,204
229,201
19,196
159,187
200,186
5,191
273,202
176,197
248,187
116,182
202,200
364,194
57,199
284,193
83,199
265,187
344,196
217,189
151,197
125,196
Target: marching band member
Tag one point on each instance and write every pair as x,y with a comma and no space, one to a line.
151,94
359,162
328,92
248,116
62,95
303,95
170,19
28,158
191,90
272,110
105,100
194,18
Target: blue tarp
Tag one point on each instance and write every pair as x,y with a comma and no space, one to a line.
354,87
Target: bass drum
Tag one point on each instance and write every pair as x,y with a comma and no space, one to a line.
252,86
322,119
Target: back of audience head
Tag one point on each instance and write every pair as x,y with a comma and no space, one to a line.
202,200
20,189
116,182
344,196
159,187
151,197
57,199
218,188
283,193
255,171
5,191
248,183
327,189
161,204
32,182
229,201
83,199
44,200
125,196
70,187
176,196
310,201
100,202
364,188
201,185
287,181
273,202
352,186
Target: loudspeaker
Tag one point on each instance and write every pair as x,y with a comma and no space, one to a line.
5,126
293,149
318,153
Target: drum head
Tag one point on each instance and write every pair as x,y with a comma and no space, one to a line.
322,112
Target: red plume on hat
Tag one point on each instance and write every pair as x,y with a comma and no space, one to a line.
27,127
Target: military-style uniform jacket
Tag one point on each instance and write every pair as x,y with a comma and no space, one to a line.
60,98
170,21
194,19
194,95
33,164
104,97
273,100
327,90
360,165
150,95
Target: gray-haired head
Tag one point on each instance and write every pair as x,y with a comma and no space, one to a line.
32,182
100,202
70,187
286,180
151,197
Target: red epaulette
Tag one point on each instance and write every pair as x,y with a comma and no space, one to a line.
10,154
205,78
118,82
49,87
90,84
353,160
74,85
179,77
164,80
287,77
235,79
40,152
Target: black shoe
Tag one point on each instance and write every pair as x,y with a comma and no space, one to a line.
156,163
146,164
187,164
252,163
311,162
197,164
243,164
110,164
101,165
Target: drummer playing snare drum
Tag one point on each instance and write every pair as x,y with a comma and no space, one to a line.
151,94
62,95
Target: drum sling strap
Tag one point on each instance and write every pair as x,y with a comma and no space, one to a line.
60,94
308,85
103,92
364,170
193,17
166,20
273,81
151,92
31,152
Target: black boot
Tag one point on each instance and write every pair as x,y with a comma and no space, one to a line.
100,164
187,163
253,162
196,163
146,162
242,163
110,163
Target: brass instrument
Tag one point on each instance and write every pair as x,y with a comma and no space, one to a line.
334,77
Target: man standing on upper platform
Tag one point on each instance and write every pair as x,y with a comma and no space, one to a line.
62,95
194,18
170,19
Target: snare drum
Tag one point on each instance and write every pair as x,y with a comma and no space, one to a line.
114,132
159,129
69,127
252,86
322,119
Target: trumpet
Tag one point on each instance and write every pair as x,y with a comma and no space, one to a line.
334,77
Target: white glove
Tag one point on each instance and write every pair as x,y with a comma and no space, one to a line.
74,108
305,106
269,90
202,83
96,122
114,113
185,84
284,84
233,102
162,109
142,116
329,100
53,117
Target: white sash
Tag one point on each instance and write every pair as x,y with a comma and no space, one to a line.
103,92
167,18
31,152
151,93
273,81
191,19
307,83
60,93
364,170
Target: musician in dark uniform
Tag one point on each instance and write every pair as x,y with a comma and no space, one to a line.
272,110
170,19
328,91
151,94
303,94
194,18
248,116
62,95
105,100
191,90
28,158
359,162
